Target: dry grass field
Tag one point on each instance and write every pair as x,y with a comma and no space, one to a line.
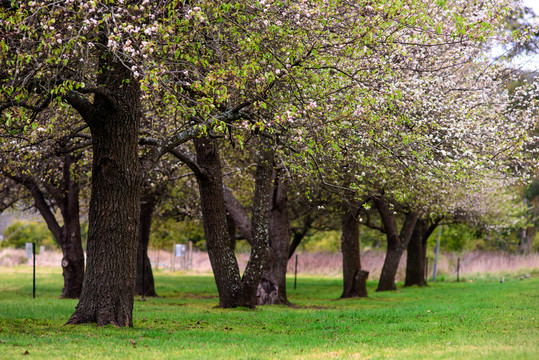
472,264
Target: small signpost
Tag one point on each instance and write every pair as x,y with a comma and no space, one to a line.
31,253
29,250
179,252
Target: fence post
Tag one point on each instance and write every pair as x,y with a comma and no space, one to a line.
296,272
34,256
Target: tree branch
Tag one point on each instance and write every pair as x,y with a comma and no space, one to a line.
189,160
81,105
408,228
40,203
237,213
390,225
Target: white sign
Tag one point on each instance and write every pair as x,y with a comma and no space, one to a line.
180,250
29,250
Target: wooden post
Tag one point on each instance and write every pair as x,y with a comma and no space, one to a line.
458,268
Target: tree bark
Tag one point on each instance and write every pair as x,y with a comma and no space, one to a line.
222,258
415,262
233,290
109,284
71,244
237,215
417,253
144,266
354,278
231,226
260,233
396,243
272,286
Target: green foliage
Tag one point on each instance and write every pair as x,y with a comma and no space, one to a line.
472,320
18,233
322,241
330,241
464,237
167,232
371,238
456,238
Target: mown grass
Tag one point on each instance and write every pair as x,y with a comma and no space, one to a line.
484,319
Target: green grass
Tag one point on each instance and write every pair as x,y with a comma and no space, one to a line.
484,319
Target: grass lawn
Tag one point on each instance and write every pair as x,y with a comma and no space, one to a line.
483,319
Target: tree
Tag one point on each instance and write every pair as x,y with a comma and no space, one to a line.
53,76
233,290
59,55
416,252
272,285
52,183
205,69
354,277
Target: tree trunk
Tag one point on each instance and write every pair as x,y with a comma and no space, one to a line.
396,243
222,258
354,278
233,290
231,226
272,287
389,270
71,245
144,267
109,284
260,243
415,257
417,253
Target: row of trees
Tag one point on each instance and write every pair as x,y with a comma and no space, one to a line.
387,114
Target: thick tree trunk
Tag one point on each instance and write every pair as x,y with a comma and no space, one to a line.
73,255
417,253
144,267
71,244
260,243
231,226
222,258
272,287
354,278
415,261
233,290
109,284
389,270
396,243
